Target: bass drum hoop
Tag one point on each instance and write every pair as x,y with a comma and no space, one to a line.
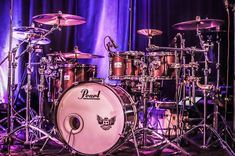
126,125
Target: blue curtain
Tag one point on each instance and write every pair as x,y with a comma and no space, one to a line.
104,17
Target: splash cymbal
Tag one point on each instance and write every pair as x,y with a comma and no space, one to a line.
80,55
149,32
59,19
198,24
75,55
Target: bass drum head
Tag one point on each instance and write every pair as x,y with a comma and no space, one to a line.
90,117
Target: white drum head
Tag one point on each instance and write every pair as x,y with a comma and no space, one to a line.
90,118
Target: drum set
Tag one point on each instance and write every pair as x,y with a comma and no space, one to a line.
93,117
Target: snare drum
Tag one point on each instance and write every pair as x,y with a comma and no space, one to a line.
92,118
160,65
125,65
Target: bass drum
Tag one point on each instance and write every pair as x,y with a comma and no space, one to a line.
92,117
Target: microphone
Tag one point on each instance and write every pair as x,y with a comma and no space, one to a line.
113,43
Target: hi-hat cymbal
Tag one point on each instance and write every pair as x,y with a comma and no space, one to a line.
149,32
198,24
31,33
59,19
75,55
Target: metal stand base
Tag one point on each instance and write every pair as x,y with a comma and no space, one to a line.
159,142
46,136
201,125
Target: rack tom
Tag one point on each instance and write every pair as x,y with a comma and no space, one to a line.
160,65
126,65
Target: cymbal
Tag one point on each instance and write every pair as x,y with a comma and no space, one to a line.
32,33
149,32
198,24
60,19
75,55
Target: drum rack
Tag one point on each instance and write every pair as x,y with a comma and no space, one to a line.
121,69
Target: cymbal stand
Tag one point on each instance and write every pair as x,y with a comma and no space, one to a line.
206,72
11,57
215,97
41,89
215,117
177,78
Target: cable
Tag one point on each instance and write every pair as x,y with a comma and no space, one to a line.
106,45
70,134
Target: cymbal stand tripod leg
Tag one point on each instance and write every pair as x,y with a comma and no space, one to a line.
135,142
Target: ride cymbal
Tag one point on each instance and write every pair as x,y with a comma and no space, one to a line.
59,19
198,24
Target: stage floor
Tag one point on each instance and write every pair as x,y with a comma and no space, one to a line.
125,150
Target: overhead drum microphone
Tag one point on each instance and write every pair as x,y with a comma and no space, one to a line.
114,44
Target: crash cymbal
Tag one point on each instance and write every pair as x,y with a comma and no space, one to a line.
30,33
75,55
198,24
60,19
149,32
